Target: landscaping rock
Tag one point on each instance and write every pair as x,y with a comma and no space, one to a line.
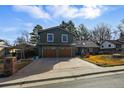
118,56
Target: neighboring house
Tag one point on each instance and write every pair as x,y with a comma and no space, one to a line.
111,46
84,47
3,48
55,42
22,51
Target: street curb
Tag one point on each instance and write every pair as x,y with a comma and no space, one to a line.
57,78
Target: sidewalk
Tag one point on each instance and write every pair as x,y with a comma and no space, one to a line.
57,74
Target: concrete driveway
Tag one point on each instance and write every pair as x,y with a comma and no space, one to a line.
66,63
44,65
50,66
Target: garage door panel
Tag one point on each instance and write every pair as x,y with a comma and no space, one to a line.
49,53
57,52
65,52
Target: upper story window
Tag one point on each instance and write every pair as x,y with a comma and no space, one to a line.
50,37
64,38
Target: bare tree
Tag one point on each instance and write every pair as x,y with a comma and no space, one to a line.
21,42
25,35
7,42
100,33
121,26
83,32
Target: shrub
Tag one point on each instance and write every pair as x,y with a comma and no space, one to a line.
26,60
1,61
23,63
87,55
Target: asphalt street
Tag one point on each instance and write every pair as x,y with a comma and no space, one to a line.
108,81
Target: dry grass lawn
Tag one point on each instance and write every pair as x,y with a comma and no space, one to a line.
105,60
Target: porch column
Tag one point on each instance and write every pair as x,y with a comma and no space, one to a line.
71,52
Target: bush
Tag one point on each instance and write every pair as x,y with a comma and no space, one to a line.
21,65
26,60
1,61
87,55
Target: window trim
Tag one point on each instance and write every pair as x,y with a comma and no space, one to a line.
52,37
62,38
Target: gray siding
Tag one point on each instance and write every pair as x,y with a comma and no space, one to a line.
57,36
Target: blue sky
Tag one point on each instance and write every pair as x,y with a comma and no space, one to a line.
16,19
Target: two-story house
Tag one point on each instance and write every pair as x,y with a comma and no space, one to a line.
55,42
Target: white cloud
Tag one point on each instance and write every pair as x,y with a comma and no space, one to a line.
34,11
65,11
86,12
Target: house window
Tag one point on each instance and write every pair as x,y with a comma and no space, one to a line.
50,37
64,38
102,46
109,45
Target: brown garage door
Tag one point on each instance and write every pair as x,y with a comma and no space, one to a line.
49,52
65,52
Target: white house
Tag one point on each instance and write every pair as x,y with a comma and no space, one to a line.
111,46
108,44
3,47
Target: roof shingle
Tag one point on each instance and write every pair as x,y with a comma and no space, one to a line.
86,44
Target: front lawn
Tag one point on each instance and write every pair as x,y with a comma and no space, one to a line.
105,60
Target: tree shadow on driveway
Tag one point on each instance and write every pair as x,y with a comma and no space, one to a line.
37,67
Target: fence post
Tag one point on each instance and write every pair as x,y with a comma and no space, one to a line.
9,66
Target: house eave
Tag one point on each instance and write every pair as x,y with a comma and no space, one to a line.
55,44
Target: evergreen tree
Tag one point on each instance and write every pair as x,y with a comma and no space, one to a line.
69,26
34,35
84,33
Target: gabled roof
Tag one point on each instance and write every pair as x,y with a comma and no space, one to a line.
1,40
122,41
18,46
55,27
86,44
114,41
4,46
